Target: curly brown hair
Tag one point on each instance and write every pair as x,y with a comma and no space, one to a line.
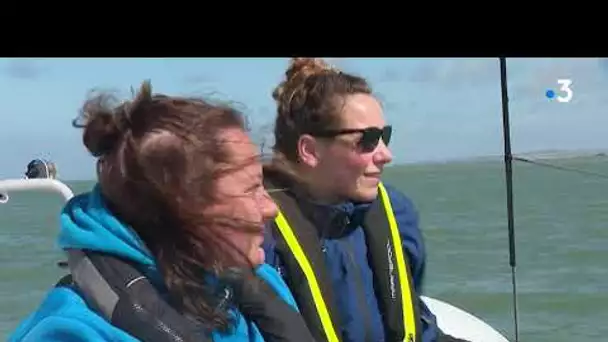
310,99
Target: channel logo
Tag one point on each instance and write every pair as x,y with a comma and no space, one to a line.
563,93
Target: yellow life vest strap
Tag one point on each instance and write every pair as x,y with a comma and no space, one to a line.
296,249
409,319
409,316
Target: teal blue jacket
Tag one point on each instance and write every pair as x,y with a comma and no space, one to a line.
64,315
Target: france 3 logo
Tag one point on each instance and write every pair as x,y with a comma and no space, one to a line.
564,93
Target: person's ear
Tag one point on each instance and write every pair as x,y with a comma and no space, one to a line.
310,150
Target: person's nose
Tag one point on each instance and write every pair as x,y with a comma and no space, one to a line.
383,154
269,207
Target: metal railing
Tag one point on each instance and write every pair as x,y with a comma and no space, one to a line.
8,186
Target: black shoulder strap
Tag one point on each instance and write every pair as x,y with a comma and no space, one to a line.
382,258
117,290
65,281
276,319
306,235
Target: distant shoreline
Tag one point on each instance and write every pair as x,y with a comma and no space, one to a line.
532,155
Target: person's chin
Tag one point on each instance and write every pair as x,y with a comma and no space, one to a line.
366,194
258,257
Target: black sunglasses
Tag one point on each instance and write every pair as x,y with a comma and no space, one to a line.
370,136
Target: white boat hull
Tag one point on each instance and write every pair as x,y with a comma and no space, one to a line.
459,323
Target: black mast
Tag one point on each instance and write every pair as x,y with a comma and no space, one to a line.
509,182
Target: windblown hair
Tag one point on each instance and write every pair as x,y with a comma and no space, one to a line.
159,157
309,99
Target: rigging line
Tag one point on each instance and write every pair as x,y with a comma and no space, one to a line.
509,185
562,168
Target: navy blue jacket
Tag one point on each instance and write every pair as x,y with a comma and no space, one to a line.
343,243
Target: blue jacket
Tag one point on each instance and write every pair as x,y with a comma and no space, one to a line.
64,316
346,259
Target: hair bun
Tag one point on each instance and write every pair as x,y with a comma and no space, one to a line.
306,67
102,129
101,133
105,121
300,67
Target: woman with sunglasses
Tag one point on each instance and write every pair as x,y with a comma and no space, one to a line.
348,246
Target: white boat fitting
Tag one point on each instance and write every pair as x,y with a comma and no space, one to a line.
8,186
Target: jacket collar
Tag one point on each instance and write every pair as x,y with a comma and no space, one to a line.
332,221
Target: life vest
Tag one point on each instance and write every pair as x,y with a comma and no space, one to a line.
126,298
299,247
